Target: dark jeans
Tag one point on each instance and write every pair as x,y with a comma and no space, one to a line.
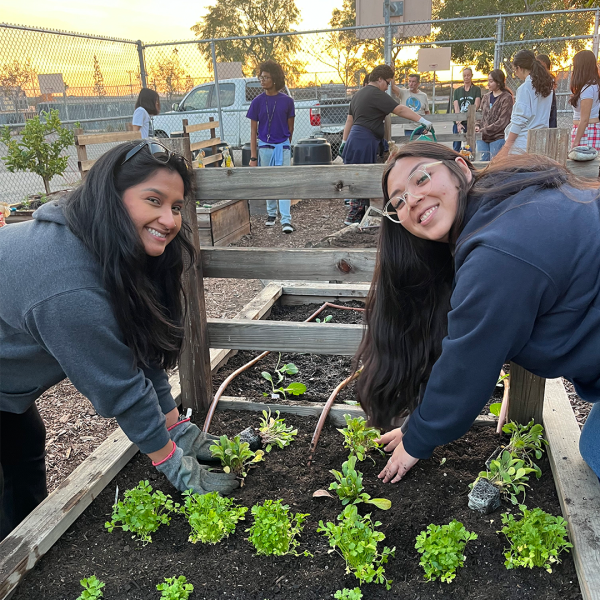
22,466
456,145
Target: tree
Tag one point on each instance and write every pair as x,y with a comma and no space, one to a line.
13,78
168,76
33,153
236,18
481,54
98,79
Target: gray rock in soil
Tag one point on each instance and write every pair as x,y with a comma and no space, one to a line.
484,497
249,435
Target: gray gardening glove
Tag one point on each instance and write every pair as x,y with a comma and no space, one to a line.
192,441
185,473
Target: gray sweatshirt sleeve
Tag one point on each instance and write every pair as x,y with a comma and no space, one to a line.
162,387
79,330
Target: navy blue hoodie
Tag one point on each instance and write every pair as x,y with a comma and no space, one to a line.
56,321
527,289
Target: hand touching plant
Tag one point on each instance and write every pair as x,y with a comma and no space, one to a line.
360,439
92,588
293,388
235,455
273,431
175,588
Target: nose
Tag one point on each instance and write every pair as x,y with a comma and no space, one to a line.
166,217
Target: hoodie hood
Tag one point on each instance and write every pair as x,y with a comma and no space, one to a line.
51,211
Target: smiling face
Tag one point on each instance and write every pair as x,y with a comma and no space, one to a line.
155,207
432,216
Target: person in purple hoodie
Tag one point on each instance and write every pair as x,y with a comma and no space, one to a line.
470,276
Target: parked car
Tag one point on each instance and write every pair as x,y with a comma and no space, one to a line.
235,94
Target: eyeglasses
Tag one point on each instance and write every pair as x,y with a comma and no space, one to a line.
264,77
158,152
418,186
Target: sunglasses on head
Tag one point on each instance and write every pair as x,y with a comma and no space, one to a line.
158,152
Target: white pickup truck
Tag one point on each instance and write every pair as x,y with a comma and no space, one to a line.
236,94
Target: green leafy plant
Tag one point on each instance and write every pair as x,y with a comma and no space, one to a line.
360,439
142,512
327,319
347,594
175,588
295,388
349,487
356,539
442,549
525,441
33,153
235,455
274,530
273,431
536,539
92,588
509,474
211,516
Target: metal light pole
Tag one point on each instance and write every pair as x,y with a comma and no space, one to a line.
214,61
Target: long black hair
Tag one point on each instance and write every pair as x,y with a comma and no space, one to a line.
146,292
585,73
409,300
149,100
541,79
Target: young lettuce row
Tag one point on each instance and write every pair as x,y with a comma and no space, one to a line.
360,439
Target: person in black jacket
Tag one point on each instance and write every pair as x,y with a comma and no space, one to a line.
553,122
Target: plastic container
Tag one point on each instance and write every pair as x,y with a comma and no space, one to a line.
312,151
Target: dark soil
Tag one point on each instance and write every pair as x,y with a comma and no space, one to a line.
349,237
430,493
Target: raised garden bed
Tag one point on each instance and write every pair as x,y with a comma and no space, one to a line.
223,222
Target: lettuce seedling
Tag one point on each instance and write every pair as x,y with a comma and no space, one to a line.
536,539
349,487
274,530
235,455
442,548
92,588
526,440
175,588
356,539
360,439
327,319
295,388
142,512
211,516
273,431
347,594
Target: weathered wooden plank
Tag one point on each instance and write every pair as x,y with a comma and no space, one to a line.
577,486
85,165
229,218
205,144
281,336
331,290
201,127
441,137
471,135
437,118
553,143
233,236
272,183
209,160
526,398
107,138
304,264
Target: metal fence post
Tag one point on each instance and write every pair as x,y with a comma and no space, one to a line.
498,43
140,49
596,42
387,46
214,62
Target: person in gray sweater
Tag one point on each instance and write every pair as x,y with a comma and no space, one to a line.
92,291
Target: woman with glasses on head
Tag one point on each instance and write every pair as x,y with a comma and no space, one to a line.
92,291
469,276
585,100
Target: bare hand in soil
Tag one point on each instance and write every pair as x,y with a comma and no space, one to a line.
400,463
391,439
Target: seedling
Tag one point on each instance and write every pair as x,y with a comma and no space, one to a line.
349,487
175,588
142,512
274,530
536,540
211,516
327,319
360,439
92,588
526,440
295,388
509,474
442,548
273,431
235,455
347,594
356,539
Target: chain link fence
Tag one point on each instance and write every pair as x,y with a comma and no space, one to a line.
94,81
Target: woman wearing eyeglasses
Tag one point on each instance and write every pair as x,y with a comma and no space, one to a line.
91,290
475,269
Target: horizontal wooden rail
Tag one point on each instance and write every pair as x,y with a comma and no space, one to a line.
281,336
441,137
107,138
443,118
201,126
205,144
278,263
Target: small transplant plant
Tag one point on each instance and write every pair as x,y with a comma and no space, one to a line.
360,439
142,512
92,588
175,588
347,594
235,455
356,539
275,530
274,431
327,319
526,441
442,549
536,540
211,516
295,388
349,487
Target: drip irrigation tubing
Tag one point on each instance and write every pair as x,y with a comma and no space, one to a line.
505,402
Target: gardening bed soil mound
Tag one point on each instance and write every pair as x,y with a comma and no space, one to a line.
430,493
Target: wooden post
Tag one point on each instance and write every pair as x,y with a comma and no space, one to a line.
81,151
471,136
526,399
553,143
213,135
194,362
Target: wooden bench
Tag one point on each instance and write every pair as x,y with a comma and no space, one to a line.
83,140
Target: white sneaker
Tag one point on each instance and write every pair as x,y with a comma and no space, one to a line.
287,228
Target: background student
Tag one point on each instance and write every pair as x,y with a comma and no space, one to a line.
553,121
148,103
585,100
465,96
412,98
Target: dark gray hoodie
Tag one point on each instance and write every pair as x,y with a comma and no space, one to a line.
56,321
